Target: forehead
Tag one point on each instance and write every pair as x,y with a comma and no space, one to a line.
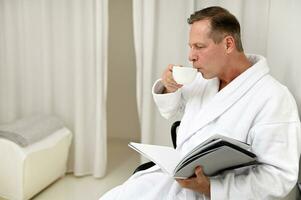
199,31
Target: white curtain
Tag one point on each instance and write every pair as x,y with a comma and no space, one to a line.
53,60
270,28
160,36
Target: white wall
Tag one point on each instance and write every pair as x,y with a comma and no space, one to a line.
121,103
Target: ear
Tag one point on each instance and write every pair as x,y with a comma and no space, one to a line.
229,43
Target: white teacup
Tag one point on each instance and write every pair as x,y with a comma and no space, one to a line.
184,75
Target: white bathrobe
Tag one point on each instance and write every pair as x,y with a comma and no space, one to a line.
253,108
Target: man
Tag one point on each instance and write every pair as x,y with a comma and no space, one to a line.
235,96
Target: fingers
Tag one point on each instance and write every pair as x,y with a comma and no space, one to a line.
168,81
199,183
199,172
199,178
170,66
185,183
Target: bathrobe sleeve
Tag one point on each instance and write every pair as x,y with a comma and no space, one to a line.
275,139
271,180
169,104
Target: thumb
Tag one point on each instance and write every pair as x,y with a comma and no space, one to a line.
199,171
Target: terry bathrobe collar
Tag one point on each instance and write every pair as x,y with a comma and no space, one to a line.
227,97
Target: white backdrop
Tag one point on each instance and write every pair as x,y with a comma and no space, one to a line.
160,37
270,28
53,60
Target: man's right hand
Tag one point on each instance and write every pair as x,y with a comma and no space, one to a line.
168,81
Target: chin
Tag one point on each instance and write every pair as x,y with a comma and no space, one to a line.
207,76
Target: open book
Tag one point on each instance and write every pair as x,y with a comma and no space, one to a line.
216,154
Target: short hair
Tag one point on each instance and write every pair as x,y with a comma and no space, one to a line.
222,23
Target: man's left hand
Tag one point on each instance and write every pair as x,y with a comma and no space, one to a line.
200,183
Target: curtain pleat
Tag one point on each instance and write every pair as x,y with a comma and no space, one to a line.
160,38
101,45
54,61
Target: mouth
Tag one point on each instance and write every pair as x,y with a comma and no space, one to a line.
197,68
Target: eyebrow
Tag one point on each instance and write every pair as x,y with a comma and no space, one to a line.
196,43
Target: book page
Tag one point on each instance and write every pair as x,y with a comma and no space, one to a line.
165,157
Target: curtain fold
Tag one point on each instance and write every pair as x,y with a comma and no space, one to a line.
53,60
269,28
283,44
144,36
159,39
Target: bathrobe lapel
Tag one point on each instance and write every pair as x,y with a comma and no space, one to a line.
227,97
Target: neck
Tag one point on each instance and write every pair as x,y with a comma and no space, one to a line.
237,65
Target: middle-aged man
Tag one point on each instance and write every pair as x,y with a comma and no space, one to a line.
233,95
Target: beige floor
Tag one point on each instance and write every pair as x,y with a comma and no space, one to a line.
121,163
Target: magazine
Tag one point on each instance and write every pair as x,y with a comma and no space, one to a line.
216,154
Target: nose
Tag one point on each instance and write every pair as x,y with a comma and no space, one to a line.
192,55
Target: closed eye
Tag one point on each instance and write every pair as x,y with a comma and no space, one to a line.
198,46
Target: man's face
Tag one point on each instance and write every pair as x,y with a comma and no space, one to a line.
206,56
